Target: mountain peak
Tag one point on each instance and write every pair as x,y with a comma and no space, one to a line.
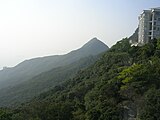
94,39
95,42
94,46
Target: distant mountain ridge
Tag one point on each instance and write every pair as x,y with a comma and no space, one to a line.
124,84
25,91
29,68
36,71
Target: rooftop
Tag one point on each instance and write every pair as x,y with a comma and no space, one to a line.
156,8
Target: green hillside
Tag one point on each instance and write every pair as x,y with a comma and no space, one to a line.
32,77
30,68
123,84
14,96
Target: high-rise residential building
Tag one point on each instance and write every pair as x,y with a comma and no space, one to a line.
149,25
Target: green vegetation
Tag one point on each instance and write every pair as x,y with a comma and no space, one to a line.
32,77
123,84
27,90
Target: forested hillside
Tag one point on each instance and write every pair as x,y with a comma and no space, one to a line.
123,84
32,77
30,68
23,92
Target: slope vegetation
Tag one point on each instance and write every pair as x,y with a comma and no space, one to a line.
14,96
122,85
30,68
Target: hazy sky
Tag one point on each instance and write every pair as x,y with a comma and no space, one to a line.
32,28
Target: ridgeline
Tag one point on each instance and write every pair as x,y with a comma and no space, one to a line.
123,84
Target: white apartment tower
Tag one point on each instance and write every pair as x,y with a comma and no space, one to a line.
149,25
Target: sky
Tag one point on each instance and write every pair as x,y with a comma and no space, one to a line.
34,28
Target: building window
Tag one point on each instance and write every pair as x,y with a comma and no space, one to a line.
149,38
150,33
158,19
151,17
154,28
150,26
154,23
158,29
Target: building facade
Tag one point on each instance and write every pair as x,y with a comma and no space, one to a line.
149,25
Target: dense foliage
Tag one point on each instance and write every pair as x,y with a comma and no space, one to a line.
28,79
25,91
123,84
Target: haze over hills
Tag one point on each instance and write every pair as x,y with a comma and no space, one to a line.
90,82
37,75
122,85
33,67
25,91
